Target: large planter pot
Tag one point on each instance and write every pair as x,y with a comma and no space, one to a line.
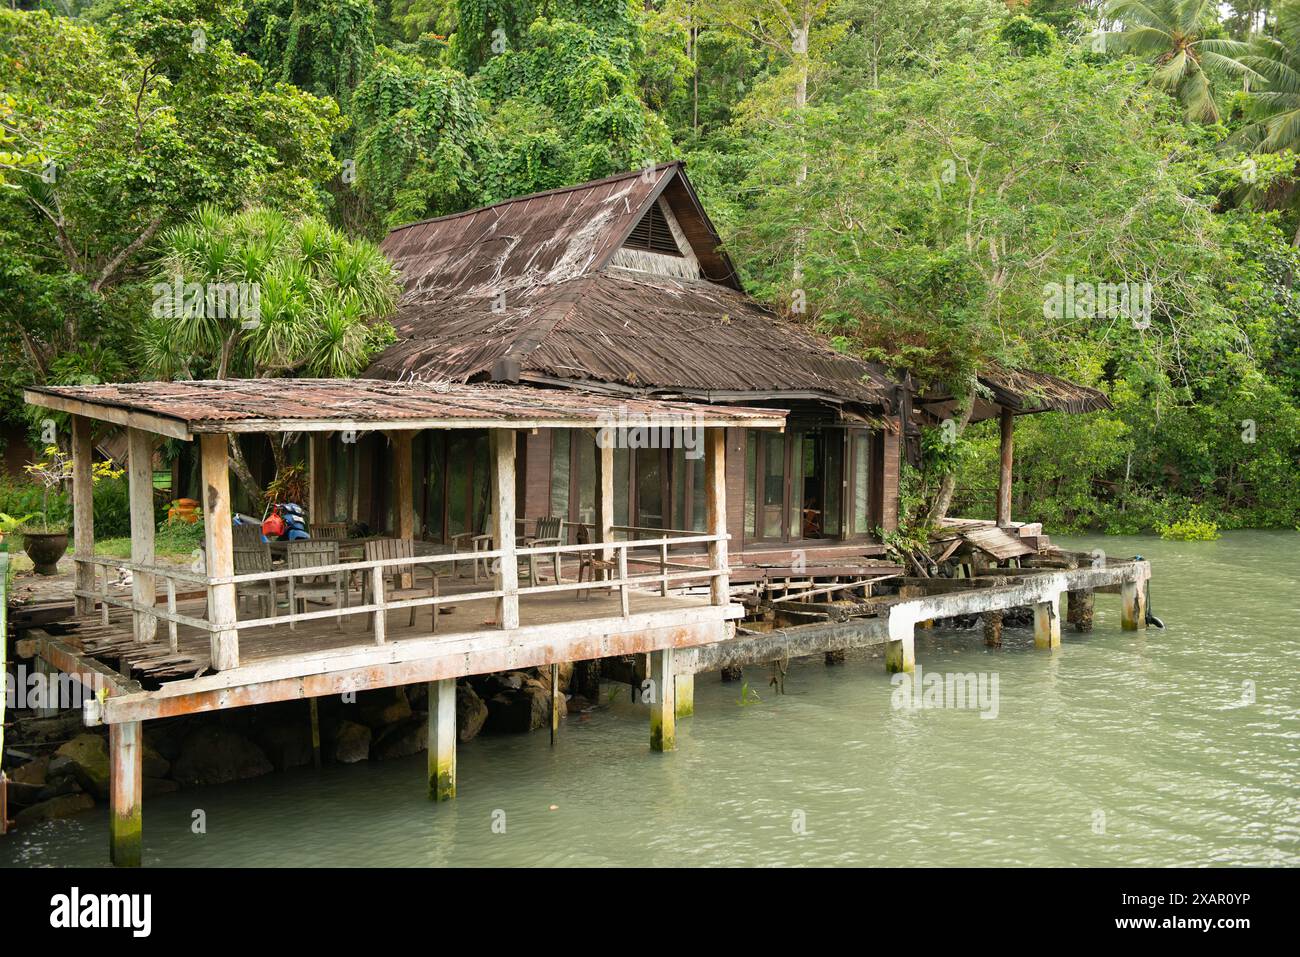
45,549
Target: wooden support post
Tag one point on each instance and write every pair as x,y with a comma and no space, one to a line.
503,531
558,706
1047,623
1079,608
1133,604
315,733
663,701
715,481
605,493
684,693
83,512
173,642
140,478
126,759
992,628
1004,476
900,647
214,456
404,494
379,600
315,498
442,739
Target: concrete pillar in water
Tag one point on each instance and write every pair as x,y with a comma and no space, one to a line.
1079,609
125,763
1047,623
442,739
992,628
1133,604
663,703
900,646
733,673
557,702
684,692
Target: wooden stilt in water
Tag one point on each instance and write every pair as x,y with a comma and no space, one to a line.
1079,607
1133,605
992,629
442,739
126,760
900,647
557,703
315,734
663,701
1047,623
684,692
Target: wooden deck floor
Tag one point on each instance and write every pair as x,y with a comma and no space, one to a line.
155,661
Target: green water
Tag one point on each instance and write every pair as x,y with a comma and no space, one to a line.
1120,749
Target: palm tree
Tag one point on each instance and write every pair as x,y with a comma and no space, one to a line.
1273,102
1170,33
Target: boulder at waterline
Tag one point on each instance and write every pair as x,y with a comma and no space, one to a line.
471,712
215,755
288,742
384,707
400,740
351,742
65,805
89,756
33,772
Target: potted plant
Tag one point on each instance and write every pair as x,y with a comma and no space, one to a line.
43,542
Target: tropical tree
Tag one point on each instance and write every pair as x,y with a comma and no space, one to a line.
1173,35
1273,97
255,294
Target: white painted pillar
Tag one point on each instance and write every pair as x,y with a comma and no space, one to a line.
605,449
663,701
83,512
404,494
1047,623
125,764
684,690
442,739
1133,604
900,647
217,535
503,531
140,446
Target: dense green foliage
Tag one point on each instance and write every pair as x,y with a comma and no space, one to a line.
916,178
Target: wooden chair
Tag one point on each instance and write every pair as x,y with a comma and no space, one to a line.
386,548
249,560
591,561
328,531
247,536
310,554
547,532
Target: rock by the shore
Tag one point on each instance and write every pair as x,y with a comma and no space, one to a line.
384,707
215,755
88,754
351,742
471,712
287,743
65,805
401,740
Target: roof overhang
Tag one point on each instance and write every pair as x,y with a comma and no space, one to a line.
181,410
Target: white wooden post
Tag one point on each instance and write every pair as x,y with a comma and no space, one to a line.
663,702
125,777
606,450
215,460
503,531
715,481
442,739
1047,623
83,512
140,477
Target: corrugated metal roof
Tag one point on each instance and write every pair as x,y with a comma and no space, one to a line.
265,405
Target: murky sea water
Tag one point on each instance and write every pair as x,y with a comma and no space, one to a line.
1120,749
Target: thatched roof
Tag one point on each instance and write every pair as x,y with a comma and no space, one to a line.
1020,391
529,290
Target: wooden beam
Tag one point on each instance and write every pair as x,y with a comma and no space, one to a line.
663,701
442,739
503,530
404,493
217,535
715,482
605,495
315,459
126,761
1004,474
557,702
83,512
140,445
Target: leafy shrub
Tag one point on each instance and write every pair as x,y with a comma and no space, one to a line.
1194,527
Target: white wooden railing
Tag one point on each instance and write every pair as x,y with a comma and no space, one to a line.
618,577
